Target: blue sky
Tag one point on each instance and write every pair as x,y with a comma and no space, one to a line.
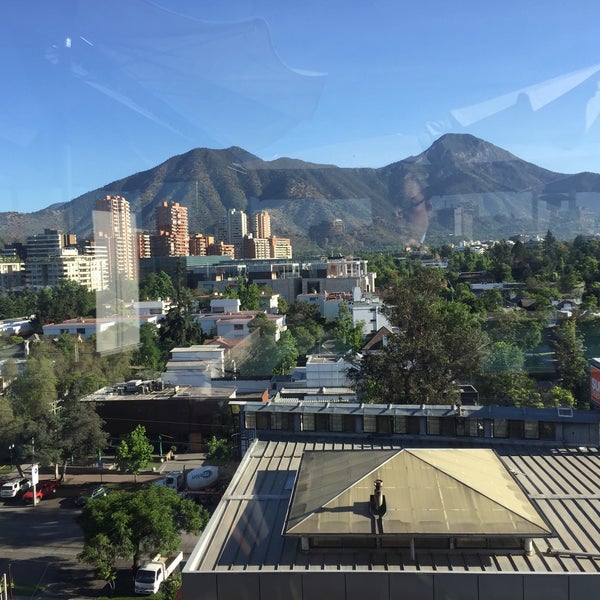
95,91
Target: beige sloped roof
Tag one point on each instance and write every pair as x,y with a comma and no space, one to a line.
442,492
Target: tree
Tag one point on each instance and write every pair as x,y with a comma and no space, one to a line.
571,364
134,452
131,525
34,391
502,378
178,328
349,334
148,354
437,344
157,285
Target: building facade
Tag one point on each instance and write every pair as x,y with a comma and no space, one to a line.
172,223
113,223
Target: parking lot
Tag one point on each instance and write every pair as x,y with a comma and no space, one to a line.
39,547
39,544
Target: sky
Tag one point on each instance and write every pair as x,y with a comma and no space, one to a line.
96,91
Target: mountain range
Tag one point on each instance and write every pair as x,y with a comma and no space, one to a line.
461,187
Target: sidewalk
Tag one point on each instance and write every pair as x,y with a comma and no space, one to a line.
81,475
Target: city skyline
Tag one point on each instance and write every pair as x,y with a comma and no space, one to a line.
334,84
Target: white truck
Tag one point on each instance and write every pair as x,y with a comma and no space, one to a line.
194,482
151,574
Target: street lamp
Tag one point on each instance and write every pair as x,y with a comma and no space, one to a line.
10,450
34,472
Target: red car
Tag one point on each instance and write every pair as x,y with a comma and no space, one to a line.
43,489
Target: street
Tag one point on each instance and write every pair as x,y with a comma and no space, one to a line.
39,545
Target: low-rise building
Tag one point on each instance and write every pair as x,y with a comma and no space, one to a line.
351,518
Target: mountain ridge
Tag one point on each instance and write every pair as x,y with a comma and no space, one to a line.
377,206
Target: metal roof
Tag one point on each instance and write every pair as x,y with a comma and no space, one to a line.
246,530
443,491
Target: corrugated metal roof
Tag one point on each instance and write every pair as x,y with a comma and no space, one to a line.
428,492
246,530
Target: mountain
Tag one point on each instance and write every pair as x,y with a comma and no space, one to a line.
460,188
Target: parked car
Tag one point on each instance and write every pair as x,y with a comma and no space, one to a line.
43,489
98,492
14,487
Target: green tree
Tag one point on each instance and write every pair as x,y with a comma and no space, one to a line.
349,334
438,343
287,354
249,295
571,364
561,397
218,448
157,285
134,453
148,355
132,525
178,328
34,391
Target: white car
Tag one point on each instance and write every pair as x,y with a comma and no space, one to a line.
14,487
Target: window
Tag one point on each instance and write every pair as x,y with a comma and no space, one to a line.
263,421
500,428
250,420
433,426
308,421
400,425
531,430
369,424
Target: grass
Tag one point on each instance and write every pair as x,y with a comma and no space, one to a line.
5,469
28,590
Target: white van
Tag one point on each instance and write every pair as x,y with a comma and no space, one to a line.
13,487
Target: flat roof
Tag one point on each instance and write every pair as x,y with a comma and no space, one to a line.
246,530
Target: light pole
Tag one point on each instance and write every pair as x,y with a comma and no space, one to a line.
34,472
10,450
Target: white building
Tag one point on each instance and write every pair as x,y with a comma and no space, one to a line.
195,366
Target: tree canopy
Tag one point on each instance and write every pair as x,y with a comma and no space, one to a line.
134,453
436,345
135,525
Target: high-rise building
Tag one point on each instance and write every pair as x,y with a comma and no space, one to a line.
172,222
220,249
44,245
232,228
256,247
261,224
280,247
143,245
112,221
199,244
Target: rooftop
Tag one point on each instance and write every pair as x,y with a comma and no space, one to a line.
246,531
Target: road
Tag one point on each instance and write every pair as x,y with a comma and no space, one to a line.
39,545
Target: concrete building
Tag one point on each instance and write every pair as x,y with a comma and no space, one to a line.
144,245
12,274
260,224
195,366
255,247
87,270
232,228
172,223
198,244
280,248
113,223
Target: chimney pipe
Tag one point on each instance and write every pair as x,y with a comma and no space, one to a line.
378,495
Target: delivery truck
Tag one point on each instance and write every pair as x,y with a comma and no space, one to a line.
151,574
